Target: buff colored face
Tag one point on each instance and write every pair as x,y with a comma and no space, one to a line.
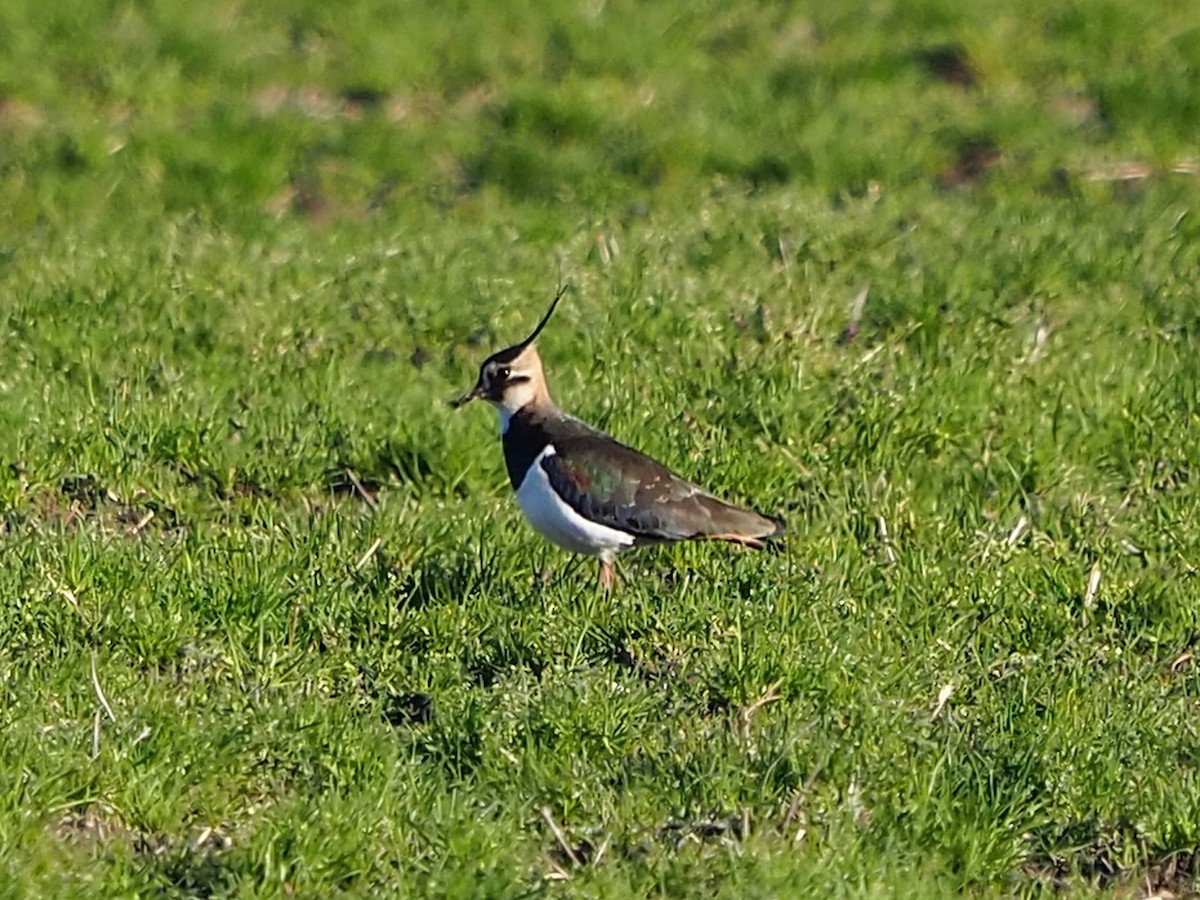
509,379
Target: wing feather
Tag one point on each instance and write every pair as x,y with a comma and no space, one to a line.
614,485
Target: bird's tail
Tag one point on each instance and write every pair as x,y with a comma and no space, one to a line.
740,526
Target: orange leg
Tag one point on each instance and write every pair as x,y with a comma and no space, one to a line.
607,575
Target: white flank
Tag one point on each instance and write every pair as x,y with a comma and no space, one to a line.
557,522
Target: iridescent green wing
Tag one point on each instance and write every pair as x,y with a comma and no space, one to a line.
614,485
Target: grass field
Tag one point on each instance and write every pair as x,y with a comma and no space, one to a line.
921,280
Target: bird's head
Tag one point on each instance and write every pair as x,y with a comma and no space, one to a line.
512,378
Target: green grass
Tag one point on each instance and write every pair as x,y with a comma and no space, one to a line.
248,252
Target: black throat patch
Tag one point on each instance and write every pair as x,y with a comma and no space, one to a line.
525,439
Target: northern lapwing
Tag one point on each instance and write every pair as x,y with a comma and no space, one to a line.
586,491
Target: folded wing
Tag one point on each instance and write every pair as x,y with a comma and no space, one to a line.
615,485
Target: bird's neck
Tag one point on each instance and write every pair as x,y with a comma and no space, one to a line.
540,407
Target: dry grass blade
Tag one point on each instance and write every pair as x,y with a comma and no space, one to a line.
1017,531
942,698
366,557
361,490
100,691
885,541
1129,170
1093,585
746,716
598,857
559,836
96,735
141,523
856,312
860,304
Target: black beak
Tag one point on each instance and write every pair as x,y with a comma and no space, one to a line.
466,398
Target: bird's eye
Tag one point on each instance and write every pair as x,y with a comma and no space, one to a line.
503,372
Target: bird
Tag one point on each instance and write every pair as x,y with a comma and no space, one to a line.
586,491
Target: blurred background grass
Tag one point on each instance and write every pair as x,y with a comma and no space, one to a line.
376,111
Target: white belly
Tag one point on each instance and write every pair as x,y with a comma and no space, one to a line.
557,522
